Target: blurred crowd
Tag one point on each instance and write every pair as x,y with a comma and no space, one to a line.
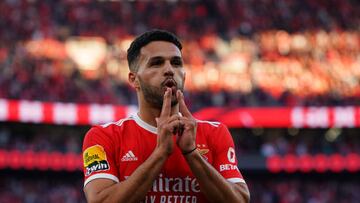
237,53
297,190
257,141
41,138
41,189
276,141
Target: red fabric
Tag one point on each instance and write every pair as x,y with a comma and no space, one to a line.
128,145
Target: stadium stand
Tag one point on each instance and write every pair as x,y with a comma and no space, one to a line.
275,62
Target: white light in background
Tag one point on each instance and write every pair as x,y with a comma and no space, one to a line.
299,42
293,131
332,134
125,44
212,74
65,113
198,79
101,113
113,67
4,107
234,63
87,52
283,42
30,111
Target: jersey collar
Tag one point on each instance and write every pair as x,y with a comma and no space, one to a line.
144,125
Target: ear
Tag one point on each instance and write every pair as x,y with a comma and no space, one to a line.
134,82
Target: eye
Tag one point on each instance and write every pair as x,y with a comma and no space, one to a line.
156,62
177,62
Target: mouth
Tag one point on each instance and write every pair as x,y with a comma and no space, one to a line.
169,83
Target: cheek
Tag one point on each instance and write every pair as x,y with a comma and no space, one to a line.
181,76
151,77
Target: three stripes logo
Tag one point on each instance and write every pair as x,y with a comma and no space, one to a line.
129,156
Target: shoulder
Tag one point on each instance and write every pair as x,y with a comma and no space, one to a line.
210,125
212,129
116,124
110,128
108,134
217,135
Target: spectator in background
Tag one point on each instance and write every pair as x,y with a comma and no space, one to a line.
275,60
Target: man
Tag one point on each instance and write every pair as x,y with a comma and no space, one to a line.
161,154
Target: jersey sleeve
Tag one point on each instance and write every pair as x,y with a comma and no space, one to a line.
98,156
225,161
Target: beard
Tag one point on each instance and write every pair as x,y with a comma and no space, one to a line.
154,95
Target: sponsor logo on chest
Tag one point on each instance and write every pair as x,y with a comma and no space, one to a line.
173,189
129,156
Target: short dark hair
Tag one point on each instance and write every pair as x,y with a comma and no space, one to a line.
142,40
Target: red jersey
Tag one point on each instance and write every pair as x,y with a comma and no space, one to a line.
115,150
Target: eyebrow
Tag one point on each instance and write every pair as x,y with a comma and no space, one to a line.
177,58
162,57
155,58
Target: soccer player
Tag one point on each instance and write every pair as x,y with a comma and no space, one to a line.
162,153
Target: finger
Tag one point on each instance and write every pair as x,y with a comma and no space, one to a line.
174,126
182,106
181,129
168,120
173,118
166,107
188,123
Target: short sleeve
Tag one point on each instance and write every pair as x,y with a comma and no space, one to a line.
98,156
225,161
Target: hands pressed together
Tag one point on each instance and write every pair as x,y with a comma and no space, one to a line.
182,126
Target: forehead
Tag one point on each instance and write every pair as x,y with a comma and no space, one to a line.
160,48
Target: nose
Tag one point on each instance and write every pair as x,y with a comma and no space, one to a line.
169,70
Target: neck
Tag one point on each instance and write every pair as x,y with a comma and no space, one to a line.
148,113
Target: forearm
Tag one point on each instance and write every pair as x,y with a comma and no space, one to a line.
215,187
135,187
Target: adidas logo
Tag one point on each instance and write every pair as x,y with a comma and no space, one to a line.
129,156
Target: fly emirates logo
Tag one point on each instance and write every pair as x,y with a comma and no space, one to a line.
173,190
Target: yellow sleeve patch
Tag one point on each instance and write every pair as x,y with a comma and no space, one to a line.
94,159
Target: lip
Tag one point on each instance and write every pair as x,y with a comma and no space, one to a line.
169,83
